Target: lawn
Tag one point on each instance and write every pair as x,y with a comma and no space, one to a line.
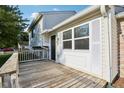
4,58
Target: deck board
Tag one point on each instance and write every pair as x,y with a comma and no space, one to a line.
47,74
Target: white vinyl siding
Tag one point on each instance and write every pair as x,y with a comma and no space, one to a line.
105,48
96,47
82,59
109,47
114,45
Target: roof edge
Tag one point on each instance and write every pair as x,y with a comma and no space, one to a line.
76,16
120,15
34,22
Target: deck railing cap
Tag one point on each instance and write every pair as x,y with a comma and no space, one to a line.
10,66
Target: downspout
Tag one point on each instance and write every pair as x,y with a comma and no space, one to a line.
105,14
103,10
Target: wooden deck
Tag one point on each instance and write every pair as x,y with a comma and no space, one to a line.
47,74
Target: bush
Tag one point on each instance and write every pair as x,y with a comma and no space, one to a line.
4,58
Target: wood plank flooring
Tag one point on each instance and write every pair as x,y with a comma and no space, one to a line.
47,74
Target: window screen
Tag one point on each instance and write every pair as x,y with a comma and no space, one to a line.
82,43
67,44
81,31
67,35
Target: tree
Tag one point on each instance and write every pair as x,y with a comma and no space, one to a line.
11,24
23,38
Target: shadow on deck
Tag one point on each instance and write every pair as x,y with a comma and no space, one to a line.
47,74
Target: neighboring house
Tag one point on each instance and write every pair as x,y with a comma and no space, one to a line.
43,21
88,41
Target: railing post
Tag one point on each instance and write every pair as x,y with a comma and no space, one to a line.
43,54
48,54
0,82
8,72
6,81
14,80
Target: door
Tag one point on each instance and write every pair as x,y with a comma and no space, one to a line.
53,47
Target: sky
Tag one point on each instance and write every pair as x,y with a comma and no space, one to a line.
29,9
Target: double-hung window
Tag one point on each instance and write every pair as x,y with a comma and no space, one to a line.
67,39
81,37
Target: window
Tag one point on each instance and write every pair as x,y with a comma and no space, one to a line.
81,31
82,43
67,35
32,35
81,37
67,44
67,39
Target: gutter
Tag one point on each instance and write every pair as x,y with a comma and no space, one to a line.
120,15
34,22
76,16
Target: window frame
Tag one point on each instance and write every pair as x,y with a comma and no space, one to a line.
63,40
82,25
90,36
73,38
67,31
83,37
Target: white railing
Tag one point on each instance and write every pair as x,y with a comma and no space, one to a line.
32,55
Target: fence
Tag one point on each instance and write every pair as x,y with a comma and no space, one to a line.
32,55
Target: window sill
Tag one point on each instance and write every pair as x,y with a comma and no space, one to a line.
81,50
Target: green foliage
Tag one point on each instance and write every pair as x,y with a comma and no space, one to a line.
23,38
4,58
11,24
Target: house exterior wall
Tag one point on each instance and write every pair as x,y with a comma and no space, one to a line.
114,44
37,39
47,21
109,46
121,46
82,60
101,60
105,49
104,63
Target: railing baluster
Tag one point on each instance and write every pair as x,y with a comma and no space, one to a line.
24,55
27,55
41,54
31,55
20,55
38,55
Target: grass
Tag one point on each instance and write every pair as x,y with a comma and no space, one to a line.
4,58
